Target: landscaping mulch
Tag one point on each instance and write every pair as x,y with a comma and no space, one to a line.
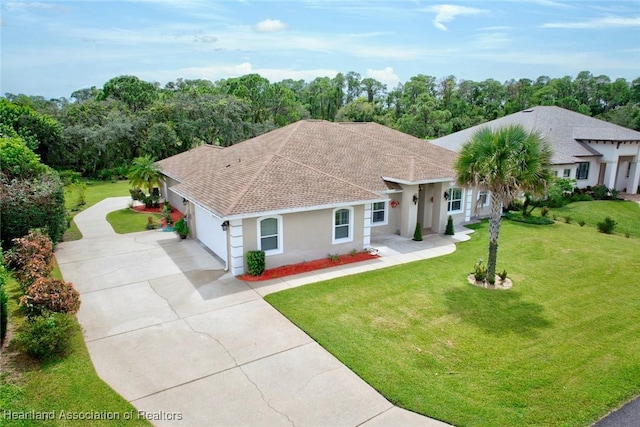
175,214
304,267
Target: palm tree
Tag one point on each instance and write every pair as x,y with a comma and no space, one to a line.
506,161
144,171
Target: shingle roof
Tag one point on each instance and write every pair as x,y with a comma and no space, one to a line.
564,129
308,163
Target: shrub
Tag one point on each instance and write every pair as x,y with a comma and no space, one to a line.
607,226
4,311
582,223
69,176
503,275
151,225
567,219
31,257
47,336
544,211
479,272
137,194
600,192
536,220
255,263
334,257
449,231
417,234
17,160
50,294
181,227
31,203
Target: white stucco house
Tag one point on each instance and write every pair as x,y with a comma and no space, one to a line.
586,149
314,188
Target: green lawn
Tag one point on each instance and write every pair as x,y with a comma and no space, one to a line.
625,213
127,221
95,192
560,348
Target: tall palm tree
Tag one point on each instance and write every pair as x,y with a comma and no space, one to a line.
506,161
144,172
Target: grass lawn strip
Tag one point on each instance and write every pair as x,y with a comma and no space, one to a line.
561,348
625,213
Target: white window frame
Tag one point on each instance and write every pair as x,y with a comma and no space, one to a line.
385,210
347,239
450,200
280,233
566,173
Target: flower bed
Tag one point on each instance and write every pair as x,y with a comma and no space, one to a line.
304,267
175,214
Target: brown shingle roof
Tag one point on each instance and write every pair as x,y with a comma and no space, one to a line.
308,163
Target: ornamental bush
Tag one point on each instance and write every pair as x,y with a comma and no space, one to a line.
31,257
50,295
255,263
46,336
417,234
607,226
450,230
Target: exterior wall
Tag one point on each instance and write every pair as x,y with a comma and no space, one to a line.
393,218
558,170
307,236
174,199
592,179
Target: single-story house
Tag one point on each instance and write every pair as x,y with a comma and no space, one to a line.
589,150
313,188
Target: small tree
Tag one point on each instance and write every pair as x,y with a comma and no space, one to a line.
144,172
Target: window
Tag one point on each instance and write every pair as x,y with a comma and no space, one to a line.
342,226
566,173
583,170
270,235
379,213
483,198
455,200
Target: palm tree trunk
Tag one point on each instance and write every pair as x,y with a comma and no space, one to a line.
494,234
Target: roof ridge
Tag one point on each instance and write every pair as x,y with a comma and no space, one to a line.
266,162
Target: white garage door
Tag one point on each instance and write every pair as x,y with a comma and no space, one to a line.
209,232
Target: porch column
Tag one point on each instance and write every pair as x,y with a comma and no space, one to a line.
236,252
439,221
634,178
609,180
409,210
468,206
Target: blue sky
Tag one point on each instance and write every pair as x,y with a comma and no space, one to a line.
51,48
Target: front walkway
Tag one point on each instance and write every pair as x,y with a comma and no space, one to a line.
178,337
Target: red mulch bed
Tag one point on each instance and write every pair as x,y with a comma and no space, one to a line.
175,214
303,267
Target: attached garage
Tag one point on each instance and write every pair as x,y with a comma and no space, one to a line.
209,231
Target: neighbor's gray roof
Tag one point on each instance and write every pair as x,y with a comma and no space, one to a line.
566,131
308,163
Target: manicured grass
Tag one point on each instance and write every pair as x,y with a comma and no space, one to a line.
69,384
560,348
625,213
128,221
95,192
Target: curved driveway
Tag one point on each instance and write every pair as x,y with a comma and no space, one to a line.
178,337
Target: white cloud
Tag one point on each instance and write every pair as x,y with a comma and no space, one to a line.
386,76
597,23
270,26
448,12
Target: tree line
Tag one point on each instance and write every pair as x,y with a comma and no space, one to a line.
98,131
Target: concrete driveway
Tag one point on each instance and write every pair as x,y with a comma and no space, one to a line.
190,345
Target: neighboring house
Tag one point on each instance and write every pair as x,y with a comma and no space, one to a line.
589,150
310,189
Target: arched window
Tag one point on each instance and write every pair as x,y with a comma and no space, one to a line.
270,235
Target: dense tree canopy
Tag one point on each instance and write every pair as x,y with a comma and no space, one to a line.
100,129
